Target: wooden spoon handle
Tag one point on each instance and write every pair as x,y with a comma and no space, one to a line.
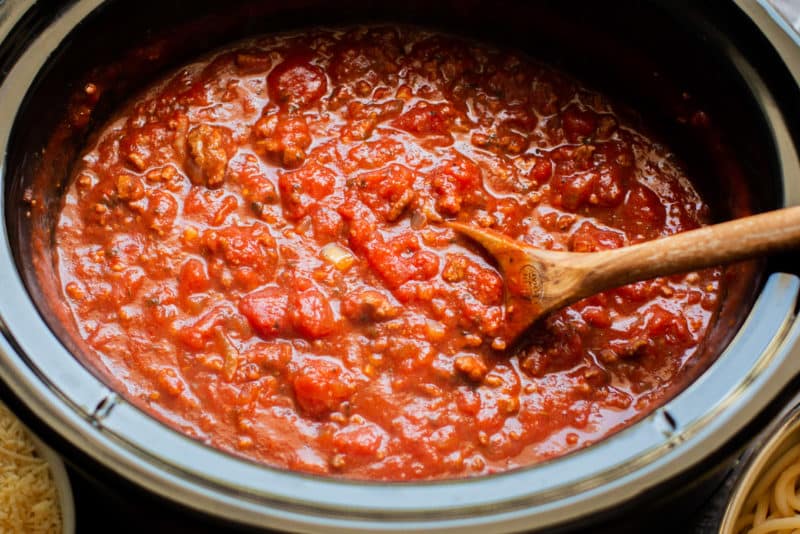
726,242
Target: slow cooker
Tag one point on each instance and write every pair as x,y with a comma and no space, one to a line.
661,58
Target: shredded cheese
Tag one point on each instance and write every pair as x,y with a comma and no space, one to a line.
28,495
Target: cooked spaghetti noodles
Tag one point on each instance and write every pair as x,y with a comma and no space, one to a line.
773,506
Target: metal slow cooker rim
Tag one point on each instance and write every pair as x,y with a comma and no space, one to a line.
68,398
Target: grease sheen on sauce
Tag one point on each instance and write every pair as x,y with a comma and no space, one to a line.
253,249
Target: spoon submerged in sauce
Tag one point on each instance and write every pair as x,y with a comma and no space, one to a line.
540,281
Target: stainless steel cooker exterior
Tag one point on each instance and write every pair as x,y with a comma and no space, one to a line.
762,358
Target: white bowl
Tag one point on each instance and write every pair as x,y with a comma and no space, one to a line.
65,500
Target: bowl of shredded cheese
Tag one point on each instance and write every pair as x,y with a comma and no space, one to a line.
35,493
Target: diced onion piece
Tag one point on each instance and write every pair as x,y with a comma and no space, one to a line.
230,353
338,256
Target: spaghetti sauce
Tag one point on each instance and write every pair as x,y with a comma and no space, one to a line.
253,249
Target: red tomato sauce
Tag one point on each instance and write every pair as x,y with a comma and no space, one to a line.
253,248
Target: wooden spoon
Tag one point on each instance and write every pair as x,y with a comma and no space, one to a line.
540,281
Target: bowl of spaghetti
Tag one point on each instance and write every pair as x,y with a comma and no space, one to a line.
766,498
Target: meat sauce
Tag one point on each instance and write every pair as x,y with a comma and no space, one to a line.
253,249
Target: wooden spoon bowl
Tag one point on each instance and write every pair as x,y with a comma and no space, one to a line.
540,281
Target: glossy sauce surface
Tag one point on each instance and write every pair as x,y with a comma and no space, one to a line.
253,250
